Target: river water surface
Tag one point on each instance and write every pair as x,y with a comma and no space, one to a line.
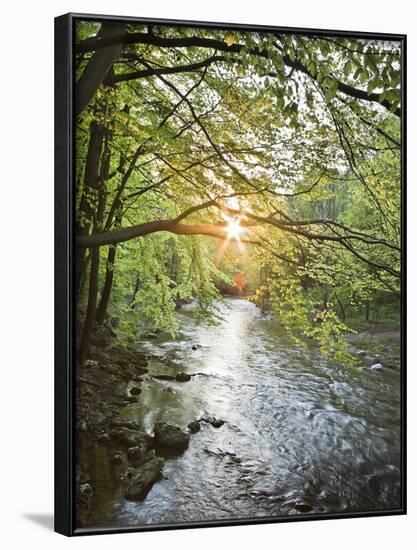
297,429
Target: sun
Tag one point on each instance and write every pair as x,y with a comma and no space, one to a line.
233,229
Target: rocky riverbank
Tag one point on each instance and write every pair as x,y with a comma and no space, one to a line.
379,345
104,387
110,381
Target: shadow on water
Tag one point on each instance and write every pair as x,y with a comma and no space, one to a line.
297,428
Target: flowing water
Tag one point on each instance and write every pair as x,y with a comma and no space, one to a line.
297,428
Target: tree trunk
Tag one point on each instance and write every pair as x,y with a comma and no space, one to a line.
108,279
342,308
91,307
88,196
107,287
97,67
325,296
136,290
367,311
95,254
84,276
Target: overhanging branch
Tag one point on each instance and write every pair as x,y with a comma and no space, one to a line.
218,230
96,44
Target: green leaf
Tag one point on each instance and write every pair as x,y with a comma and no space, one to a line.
348,68
373,84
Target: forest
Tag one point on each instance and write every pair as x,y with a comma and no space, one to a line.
215,165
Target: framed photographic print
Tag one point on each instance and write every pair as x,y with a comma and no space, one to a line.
230,274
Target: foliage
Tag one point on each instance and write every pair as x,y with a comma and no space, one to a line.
297,137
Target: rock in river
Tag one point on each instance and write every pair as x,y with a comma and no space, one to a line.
131,399
183,377
377,366
135,390
168,435
130,424
139,454
143,479
194,426
217,423
141,370
130,438
303,507
151,336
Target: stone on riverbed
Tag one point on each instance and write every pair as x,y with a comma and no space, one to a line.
141,370
86,490
170,436
139,454
183,377
103,438
117,458
142,480
377,366
131,399
135,390
130,438
130,424
303,507
85,493
216,422
194,426
151,336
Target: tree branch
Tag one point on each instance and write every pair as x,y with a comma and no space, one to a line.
95,44
123,77
219,231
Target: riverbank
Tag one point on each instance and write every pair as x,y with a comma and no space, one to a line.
110,381
378,344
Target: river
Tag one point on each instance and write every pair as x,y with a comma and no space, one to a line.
297,428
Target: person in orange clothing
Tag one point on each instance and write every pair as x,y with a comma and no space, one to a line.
239,281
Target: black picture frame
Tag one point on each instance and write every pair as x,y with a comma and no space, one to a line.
64,273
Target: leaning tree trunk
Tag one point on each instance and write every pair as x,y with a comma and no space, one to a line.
98,67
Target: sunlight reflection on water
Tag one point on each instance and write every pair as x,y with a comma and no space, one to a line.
296,427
